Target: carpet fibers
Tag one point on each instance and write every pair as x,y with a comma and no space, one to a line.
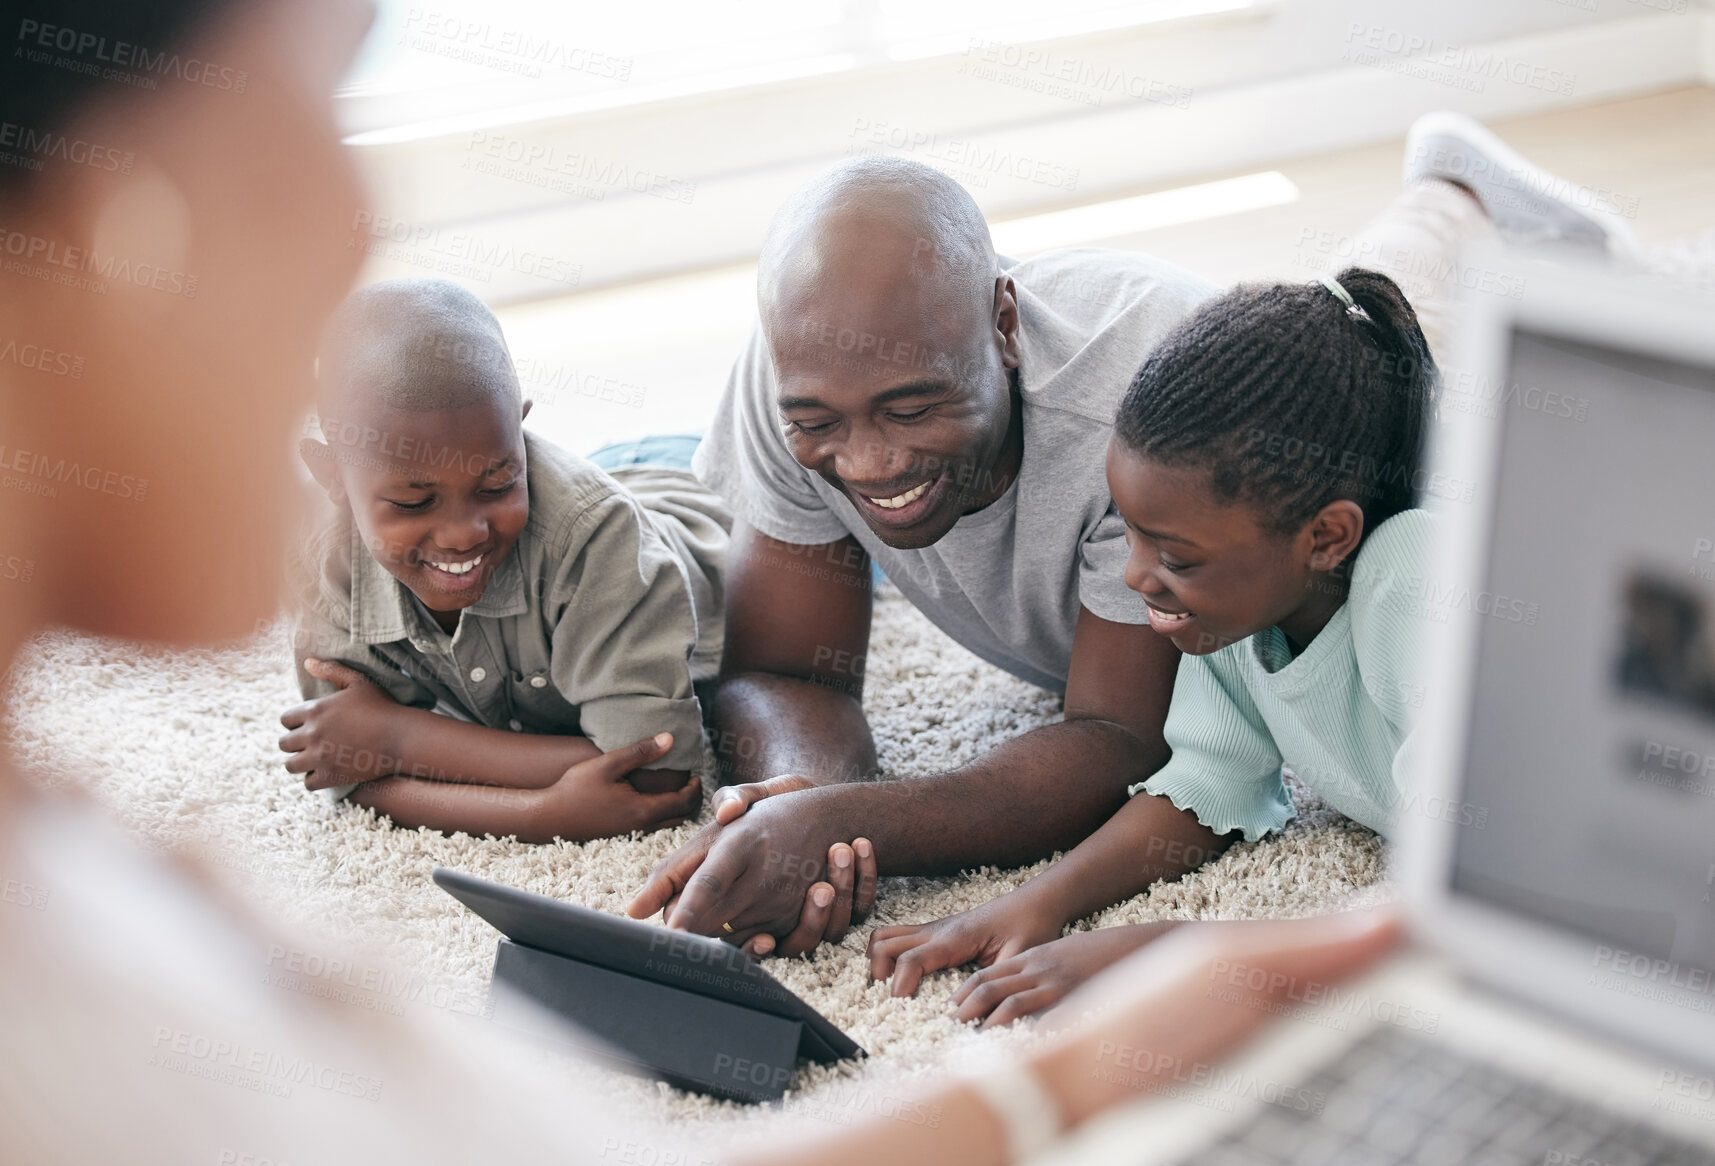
181,746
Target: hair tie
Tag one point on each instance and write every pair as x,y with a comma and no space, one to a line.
1353,309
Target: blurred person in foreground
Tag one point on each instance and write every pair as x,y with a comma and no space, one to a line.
190,287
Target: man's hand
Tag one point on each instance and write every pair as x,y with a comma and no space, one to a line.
827,909
342,738
1042,976
995,931
752,874
598,798
667,881
830,908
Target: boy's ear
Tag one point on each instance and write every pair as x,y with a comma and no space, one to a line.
1335,533
322,466
527,403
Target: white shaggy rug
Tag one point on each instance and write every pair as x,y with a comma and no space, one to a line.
181,746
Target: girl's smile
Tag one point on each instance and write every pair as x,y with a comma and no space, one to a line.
1210,571
1168,622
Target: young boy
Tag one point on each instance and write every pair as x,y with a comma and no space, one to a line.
484,615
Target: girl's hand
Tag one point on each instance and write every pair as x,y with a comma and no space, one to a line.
345,737
997,930
1041,977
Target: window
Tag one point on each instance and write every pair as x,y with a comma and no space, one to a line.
514,59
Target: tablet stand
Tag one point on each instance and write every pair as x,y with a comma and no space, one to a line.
694,1042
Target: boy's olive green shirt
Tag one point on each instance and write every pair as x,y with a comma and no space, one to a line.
595,623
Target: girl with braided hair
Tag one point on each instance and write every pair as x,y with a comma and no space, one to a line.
1268,462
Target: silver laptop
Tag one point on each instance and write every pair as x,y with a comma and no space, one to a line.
1556,854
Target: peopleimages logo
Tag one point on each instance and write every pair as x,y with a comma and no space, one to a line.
35,356
455,253
256,1069
44,258
40,473
1401,51
87,52
511,50
47,144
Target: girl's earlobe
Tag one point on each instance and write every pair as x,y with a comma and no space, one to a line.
1336,532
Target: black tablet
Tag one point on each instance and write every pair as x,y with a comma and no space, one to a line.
678,959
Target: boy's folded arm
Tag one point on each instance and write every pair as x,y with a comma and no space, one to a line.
454,807
360,731
532,815
444,749
450,806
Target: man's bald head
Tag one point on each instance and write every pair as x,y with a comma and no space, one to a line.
414,345
888,222
894,339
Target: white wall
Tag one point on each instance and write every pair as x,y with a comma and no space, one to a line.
1026,127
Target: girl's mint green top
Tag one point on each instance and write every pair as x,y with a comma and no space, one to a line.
1337,716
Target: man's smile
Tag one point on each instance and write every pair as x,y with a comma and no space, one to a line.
896,507
899,500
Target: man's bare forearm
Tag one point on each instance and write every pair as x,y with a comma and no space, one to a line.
1041,792
767,725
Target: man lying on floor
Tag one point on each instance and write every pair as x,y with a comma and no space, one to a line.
913,400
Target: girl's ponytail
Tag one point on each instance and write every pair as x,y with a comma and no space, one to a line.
1293,395
1403,358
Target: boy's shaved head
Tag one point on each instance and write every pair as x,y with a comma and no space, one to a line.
424,437
417,345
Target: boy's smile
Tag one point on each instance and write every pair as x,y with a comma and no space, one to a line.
443,519
455,578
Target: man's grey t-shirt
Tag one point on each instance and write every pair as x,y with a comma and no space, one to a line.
1008,580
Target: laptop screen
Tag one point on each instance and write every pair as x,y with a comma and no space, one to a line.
1590,782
